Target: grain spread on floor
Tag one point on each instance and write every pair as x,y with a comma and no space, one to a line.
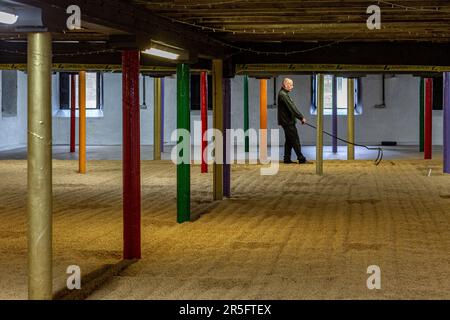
294,235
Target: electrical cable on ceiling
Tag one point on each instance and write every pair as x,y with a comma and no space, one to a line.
188,5
74,54
225,44
223,29
81,53
394,5
210,5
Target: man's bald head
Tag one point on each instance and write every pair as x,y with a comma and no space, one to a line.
288,84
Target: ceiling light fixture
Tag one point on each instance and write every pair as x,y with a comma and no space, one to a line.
161,53
8,18
162,50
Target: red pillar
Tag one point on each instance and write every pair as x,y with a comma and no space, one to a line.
131,156
428,118
204,112
72,112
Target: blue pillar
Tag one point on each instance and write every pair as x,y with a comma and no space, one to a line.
446,148
334,116
226,139
162,114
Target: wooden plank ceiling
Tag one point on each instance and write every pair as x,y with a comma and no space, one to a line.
412,32
309,20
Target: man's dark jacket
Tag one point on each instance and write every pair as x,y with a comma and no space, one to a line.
287,111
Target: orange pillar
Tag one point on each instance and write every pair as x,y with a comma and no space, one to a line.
263,119
82,121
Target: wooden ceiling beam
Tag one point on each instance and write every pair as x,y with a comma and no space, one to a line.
326,17
377,53
128,18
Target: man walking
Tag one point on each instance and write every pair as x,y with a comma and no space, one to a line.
287,115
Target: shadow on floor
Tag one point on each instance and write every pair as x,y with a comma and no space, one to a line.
94,280
198,210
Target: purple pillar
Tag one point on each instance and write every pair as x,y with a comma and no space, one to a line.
162,114
428,147
446,148
226,140
334,116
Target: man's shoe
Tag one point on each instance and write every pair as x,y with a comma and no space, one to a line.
304,161
288,161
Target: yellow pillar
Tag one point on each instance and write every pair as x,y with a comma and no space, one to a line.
39,198
217,72
351,119
319,131
82,121
157,120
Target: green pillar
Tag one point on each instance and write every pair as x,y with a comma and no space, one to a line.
246,115
183,123
422,115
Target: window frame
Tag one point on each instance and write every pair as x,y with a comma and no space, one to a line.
196,103
9,109
64,91
328,111
438,95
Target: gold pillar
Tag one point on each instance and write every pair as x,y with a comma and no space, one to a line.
157,120
351,118
217,70
319,131
82,121
39,199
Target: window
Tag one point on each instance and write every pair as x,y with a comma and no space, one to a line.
94,90
9,93
340,94
275,89
438,95
195,92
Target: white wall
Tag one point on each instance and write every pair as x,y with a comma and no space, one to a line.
399,121
13,130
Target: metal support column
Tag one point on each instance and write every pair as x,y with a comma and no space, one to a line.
319,131
39,198
157,119
131,155
217,69
351,118
183,123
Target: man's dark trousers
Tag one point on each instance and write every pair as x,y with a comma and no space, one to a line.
292,141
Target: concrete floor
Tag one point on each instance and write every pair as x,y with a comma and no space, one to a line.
115,153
